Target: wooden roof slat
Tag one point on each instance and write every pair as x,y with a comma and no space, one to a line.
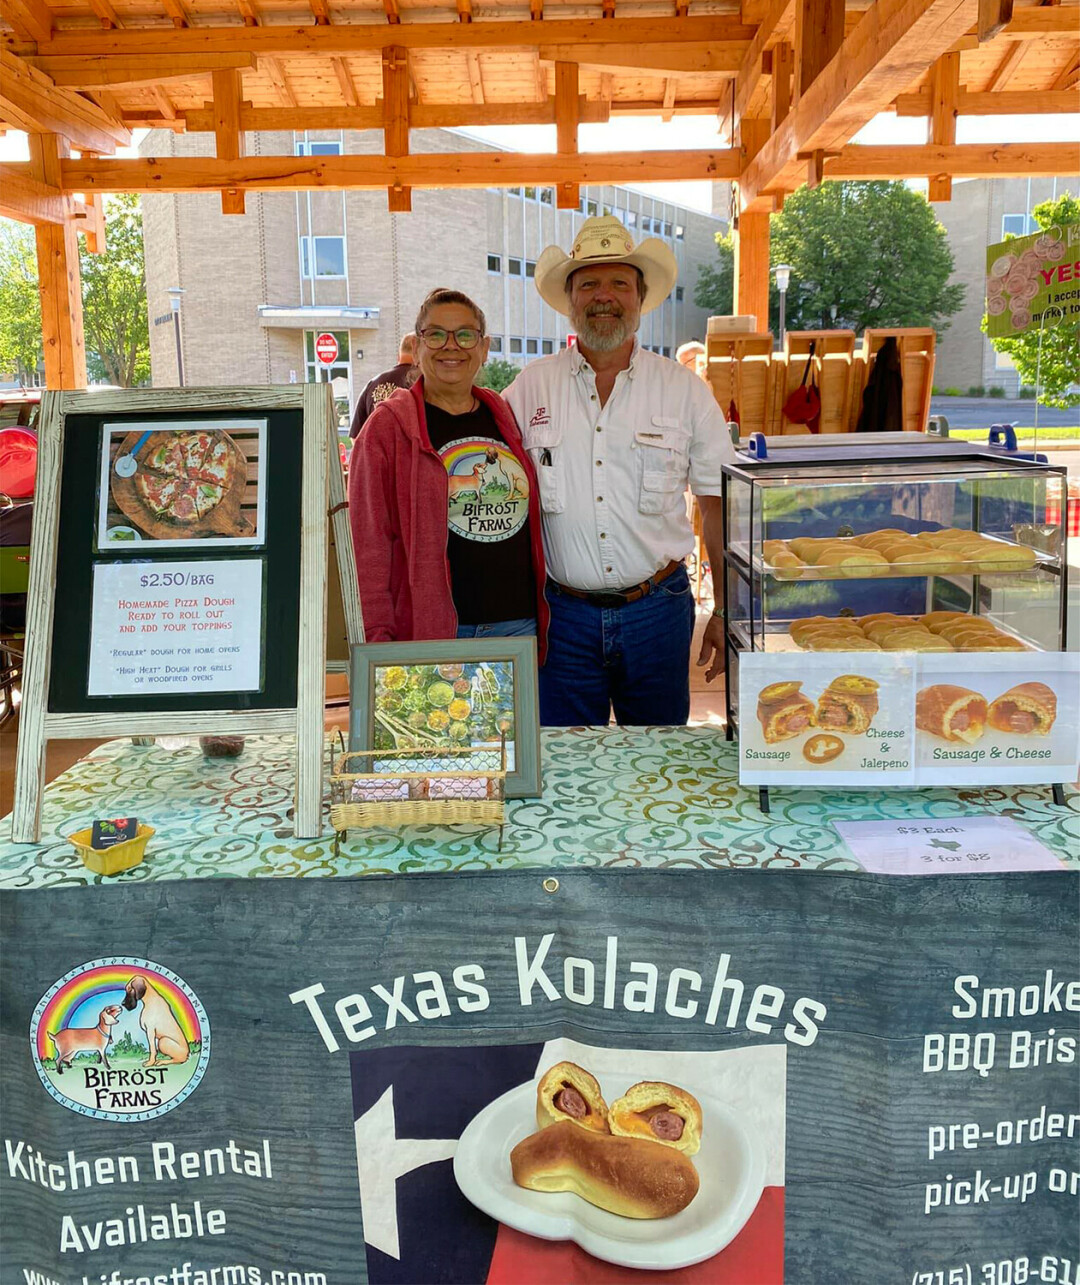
105,14
321,12
1008,65
31,19
248,12
1069,76
278,79
165,104
346,82
176,12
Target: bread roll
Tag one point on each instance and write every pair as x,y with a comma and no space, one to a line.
853,562
1026,710
933,618
568,1092
626,1176
883,615
952,713
660,1112
848,704
840,642
993,642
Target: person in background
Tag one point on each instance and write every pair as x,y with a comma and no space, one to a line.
687,354
443,498
616,433
379,389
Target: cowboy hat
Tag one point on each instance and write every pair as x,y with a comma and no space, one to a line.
605,240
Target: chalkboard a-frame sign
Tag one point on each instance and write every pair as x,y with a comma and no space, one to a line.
178,574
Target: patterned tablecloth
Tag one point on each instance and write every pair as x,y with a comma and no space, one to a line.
613,798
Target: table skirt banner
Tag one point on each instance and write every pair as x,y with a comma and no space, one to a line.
332,1082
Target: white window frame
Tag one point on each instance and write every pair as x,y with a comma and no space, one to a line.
308,259
1025,225
326,147
497,269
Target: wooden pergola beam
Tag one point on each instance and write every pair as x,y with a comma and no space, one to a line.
345,82
993,15
819,33
359,173
777,24
279,79
1006,68
892,45
962,160
1043,103
941,131
228,137
395,74
717,57
93,73
31,19
59,283
357,37
567,195
421,115
29,100
105,14
27,200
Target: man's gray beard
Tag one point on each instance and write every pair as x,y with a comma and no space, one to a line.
600,340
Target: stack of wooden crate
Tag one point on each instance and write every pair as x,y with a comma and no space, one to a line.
742,369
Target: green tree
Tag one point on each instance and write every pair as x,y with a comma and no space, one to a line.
498,374
875,250
715,286
114,300
1058,368
20,308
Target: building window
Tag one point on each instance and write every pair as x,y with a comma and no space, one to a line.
513,266
530,268
322,256
515,345
666,351
496,343
631,218
680,232
591,209
547,196
548,347
495,263
513,191
532,347
678,294
530,194
667,229
305,148
1015,225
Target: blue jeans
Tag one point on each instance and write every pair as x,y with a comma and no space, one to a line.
634,659
500,629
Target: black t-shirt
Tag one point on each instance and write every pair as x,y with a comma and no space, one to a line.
379,389
488,541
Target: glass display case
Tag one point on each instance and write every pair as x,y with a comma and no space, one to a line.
901,543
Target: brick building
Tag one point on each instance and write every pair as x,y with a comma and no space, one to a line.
259,287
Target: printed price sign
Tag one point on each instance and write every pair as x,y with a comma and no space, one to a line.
190,626
945,846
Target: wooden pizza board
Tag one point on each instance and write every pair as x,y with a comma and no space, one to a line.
224,519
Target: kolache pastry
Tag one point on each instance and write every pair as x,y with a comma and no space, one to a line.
890,551
784,711
953,713
660,1112
936,631
632,1177
567,1092
1026,710
848,704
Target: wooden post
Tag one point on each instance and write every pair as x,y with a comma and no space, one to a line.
752,237
819,33
229,140
395,71
567,195
944,98
59,279
783,65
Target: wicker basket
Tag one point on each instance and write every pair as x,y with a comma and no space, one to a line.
468,784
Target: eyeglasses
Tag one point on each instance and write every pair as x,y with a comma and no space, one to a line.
435,337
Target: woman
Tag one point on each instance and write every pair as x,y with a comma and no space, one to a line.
443,498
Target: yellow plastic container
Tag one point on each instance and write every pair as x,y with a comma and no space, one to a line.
111,861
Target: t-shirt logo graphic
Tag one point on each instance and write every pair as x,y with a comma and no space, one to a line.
540,418
487,490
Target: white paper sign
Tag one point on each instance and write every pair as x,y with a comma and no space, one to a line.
998,719
828,719
960,845
164,628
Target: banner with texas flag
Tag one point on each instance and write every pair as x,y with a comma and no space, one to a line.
542,1077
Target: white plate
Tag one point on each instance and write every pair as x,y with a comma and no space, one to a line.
730,1165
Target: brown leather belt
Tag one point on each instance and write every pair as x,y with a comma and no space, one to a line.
618,597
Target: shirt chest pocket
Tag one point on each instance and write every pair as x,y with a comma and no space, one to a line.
549,460
664,453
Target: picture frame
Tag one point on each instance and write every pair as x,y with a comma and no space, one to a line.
456,691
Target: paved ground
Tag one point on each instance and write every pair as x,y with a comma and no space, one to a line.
981,412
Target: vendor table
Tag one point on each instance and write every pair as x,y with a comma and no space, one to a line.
613,798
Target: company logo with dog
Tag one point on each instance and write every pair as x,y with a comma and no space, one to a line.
120,1039
487,489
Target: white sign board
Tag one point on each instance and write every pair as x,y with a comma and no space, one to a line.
945,846
176,627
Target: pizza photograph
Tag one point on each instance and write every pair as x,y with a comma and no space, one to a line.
191,483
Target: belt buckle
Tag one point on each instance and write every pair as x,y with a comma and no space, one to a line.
609,600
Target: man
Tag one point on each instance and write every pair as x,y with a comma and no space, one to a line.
616,434
377,390
689,353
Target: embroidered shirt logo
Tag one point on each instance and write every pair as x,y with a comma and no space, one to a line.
540,418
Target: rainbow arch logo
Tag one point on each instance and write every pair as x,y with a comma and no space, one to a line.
120,1039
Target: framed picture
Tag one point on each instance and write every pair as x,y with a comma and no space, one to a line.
455,693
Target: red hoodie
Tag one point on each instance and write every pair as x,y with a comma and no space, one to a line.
398,500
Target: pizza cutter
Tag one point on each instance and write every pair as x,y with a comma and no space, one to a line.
126,465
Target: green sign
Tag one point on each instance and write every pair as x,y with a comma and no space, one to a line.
1032,281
